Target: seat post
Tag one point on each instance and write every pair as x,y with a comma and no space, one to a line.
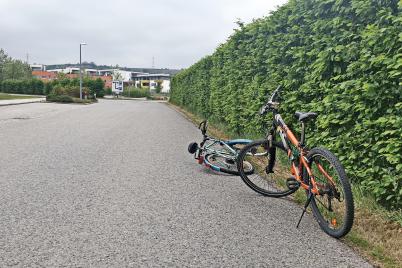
302,138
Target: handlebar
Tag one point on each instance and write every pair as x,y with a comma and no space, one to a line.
271,104
275,94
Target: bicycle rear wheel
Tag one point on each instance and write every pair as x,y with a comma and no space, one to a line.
271,168
333,208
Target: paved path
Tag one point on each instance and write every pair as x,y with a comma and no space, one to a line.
111,185
21,101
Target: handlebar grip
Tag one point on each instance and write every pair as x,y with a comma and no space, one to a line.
202,122
203,127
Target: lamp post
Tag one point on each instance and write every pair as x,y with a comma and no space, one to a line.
81,44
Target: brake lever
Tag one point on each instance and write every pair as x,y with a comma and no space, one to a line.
263,110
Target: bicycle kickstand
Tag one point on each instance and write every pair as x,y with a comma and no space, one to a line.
310,197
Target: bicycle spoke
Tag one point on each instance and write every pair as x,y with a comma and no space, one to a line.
333,207
267,183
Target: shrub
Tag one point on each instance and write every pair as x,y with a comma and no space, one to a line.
108,91
59,98
90,86
69,93
341,58
136,92
69,90
68,99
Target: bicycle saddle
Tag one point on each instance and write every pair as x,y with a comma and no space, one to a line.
305,116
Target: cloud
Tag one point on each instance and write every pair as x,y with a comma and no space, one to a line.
129,33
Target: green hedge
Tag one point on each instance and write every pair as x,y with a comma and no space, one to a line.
341,58
136,92
37,87
30,86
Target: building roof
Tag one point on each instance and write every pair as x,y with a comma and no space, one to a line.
149,75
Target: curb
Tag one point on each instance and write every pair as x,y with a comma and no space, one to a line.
124,98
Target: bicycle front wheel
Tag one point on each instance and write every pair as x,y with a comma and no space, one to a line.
271,168
226,165
333,207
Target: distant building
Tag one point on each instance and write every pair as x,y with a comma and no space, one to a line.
153,81
135,74
38,67
71,70
126,75
55,71
138,79
91,72
107,79
105,72
44,75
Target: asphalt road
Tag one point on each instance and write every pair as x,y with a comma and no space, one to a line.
112,185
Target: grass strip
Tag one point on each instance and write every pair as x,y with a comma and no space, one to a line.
4,96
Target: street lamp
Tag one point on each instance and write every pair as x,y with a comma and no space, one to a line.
81,44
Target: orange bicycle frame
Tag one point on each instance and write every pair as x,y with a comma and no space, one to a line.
287,135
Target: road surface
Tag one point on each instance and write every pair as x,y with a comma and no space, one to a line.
112,185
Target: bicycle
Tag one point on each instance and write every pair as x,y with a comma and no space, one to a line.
316,170
219,155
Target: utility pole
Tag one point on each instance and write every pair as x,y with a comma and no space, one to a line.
81,44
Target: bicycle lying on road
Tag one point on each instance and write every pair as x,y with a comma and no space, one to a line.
316,170
219,155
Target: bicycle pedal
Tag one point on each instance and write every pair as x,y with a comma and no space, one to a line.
292,183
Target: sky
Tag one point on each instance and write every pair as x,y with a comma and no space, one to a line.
175,33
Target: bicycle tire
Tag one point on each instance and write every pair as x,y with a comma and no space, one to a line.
272,184
222,165
340,219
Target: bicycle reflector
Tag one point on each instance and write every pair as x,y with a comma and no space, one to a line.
192,147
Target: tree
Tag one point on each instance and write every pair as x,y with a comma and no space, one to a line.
99,87
13,69
61,76
16,69
3,56
117,75
3,59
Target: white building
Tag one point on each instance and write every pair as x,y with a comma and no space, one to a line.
68,70
56,70
37,67
126,75
153,81
91,72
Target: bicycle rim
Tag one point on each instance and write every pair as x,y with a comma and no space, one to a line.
333,209
271,168
222,164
